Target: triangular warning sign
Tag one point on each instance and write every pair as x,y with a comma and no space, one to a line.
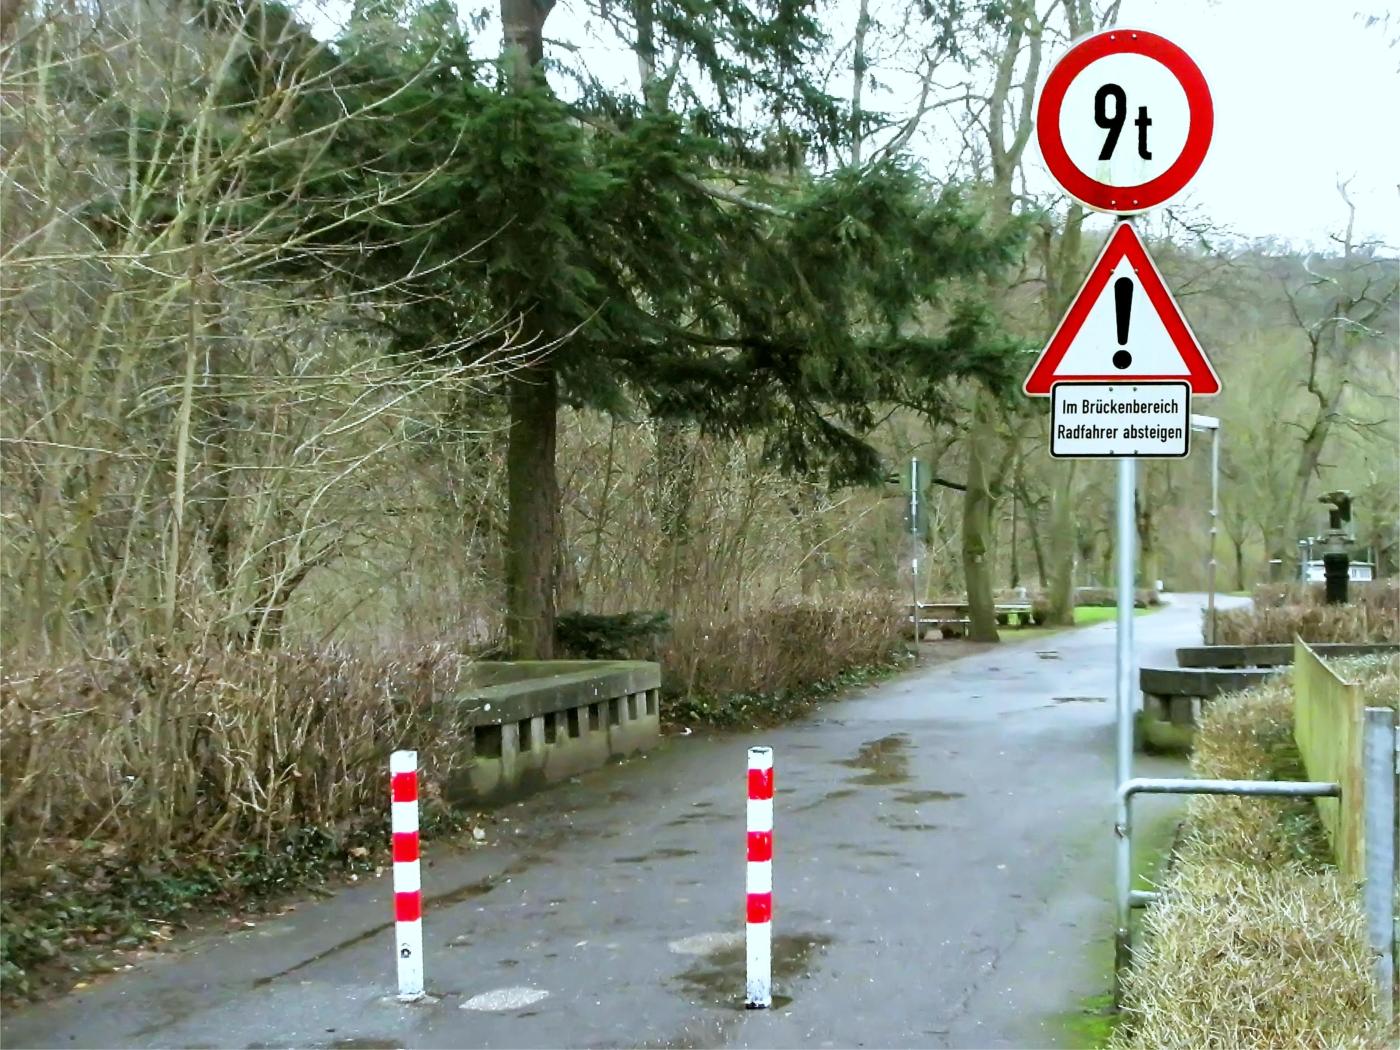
1123,326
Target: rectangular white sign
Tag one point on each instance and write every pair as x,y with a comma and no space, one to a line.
1120,420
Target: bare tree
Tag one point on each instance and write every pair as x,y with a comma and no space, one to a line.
1342,309
188,431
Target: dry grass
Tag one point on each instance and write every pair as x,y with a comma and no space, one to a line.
1242,956
1255,942
1378,676
1249,736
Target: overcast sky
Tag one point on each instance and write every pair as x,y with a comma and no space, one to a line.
1305,95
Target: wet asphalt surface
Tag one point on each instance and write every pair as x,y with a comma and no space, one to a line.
942,870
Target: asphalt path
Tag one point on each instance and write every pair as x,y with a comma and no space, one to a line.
942,870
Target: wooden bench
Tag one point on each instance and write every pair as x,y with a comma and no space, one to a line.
951,618
1019,611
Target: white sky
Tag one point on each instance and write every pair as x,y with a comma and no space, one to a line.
1305,95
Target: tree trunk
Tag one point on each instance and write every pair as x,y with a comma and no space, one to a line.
1239,564
811,528
532,492
1061,592
1302,513
675,490
532,486
977,527
1015,564
1042,571
1144,513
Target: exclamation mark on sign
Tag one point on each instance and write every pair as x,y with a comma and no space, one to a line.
1123,308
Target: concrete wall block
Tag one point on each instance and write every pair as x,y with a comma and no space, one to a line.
521,746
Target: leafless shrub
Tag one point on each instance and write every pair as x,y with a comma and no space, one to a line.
188,431
221,750
1375,621
783,647
1376,595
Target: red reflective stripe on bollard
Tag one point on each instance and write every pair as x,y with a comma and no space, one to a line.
760,907
760,845
408,907
760,784
405,786
405,846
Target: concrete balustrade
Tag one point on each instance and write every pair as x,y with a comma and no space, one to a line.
1177,694
538,722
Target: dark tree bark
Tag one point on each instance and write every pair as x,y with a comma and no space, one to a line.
675,491
532,485
1061,590
977,527
532,494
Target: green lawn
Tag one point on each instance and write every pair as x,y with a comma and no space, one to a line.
1084,615
1102,613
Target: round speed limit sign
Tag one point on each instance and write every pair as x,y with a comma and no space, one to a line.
1124,120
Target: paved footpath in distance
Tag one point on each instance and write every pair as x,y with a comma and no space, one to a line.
942,868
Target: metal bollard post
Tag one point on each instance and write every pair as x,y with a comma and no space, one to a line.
759,881
1379,761
408,886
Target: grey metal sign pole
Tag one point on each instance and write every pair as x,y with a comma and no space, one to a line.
1214,525
914,538
1126,547
1212,424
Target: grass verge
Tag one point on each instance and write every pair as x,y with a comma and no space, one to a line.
1255,941
1091,614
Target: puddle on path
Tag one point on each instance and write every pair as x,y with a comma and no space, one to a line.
1080,699
697,818
665,853
448,897
502,1000
707,943
861,851
718,980
885,760
349,942
830,796
915,798
462,893
898,826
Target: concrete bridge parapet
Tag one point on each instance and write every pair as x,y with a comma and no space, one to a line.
539,722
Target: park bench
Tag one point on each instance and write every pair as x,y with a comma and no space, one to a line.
951,620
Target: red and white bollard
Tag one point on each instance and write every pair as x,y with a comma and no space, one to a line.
408,884
759,881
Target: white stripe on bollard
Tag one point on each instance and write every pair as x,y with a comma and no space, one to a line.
408,885
758,881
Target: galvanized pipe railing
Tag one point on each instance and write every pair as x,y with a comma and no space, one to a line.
1127,898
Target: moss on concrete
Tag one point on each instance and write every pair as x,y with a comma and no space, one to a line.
1155,737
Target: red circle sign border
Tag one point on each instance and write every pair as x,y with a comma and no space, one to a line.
1124,200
